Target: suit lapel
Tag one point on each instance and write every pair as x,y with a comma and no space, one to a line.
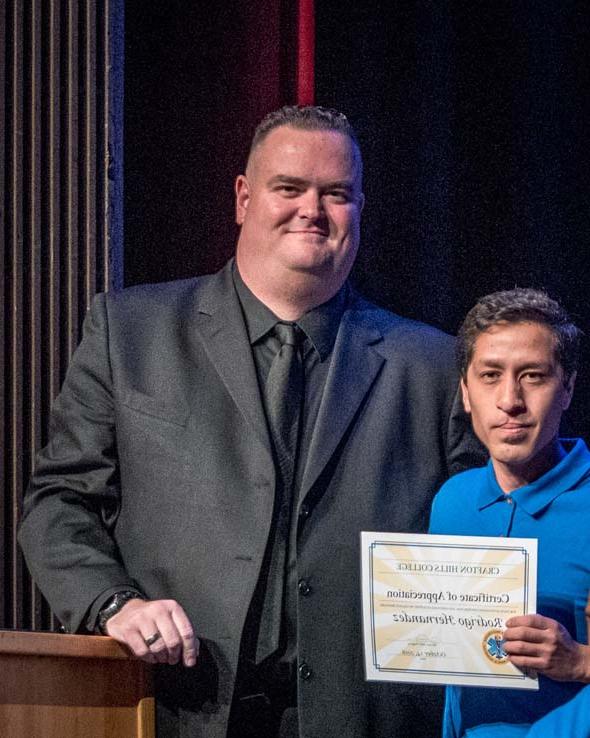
219,323
355,364
354,367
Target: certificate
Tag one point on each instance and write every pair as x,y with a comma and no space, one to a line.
435,607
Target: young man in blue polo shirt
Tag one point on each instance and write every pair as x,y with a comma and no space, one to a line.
518,354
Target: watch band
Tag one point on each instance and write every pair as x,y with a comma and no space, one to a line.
113,605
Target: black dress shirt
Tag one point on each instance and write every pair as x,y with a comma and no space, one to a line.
320,327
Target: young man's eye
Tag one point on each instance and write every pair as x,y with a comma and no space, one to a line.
534,377
489,377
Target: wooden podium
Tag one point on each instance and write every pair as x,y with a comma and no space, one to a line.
70,686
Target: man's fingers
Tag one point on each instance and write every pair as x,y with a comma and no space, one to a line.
157,631
530,621
189,643
529,666
170,639
538,644
522,648
530,635
134,641
526,662
156,646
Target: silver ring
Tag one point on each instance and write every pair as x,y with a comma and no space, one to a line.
152,639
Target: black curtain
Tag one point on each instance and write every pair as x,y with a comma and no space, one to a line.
198,78
473,118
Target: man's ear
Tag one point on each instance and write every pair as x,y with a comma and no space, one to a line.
242,189
569,391
465,396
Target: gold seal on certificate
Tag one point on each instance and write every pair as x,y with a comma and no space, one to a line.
435,607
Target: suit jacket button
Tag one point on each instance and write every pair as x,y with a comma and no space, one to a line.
303,587
304,671
304,511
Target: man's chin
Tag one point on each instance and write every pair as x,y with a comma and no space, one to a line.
312,262
513,454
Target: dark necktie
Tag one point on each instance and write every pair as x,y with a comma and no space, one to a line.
283,394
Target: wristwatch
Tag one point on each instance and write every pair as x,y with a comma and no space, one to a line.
113,605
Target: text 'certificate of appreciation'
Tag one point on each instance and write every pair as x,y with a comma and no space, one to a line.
435,607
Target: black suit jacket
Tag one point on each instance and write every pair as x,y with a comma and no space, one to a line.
159,475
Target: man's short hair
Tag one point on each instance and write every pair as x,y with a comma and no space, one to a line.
520,305
305,118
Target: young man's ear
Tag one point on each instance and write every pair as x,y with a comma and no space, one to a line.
242,190
569,391
465,396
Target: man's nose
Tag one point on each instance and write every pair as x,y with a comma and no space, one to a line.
510,398
311,204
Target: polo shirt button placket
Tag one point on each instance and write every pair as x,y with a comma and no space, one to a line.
510,502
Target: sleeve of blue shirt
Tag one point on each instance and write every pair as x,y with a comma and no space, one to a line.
566,721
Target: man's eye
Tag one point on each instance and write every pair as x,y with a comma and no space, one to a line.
489,377
534,377
289,190
338,195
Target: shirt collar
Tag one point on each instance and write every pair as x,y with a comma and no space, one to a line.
535,497
320,324
259,319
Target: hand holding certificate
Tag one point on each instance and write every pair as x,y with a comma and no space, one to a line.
435,607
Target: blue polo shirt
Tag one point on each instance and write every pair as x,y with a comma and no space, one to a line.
555,509
571,720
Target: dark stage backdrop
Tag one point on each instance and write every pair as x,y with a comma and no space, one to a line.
198,78
472,117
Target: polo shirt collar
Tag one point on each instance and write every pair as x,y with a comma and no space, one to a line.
535,497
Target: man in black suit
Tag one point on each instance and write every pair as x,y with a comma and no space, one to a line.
219,443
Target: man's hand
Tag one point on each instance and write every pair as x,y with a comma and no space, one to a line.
539,644
157,631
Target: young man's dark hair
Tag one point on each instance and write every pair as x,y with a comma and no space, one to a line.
520,305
